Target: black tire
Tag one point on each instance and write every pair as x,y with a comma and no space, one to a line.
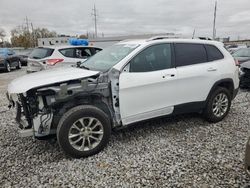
72,116
7,67
208,113
19,66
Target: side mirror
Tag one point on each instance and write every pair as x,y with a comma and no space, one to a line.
78,64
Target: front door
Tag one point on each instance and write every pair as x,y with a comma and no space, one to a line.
148,86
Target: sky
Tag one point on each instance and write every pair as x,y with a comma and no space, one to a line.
130,17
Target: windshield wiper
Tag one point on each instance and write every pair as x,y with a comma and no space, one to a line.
35,57
82,66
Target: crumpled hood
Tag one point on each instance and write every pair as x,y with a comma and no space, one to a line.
242,59
245,65
47,77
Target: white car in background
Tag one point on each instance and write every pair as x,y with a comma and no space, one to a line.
42,58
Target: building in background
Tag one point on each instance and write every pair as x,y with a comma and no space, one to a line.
53,41
101,42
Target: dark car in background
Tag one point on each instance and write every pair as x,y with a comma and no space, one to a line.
245,75
242,55
9,60
24,58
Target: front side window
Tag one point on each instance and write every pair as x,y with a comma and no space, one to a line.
189,54
68,52
157,57
107,58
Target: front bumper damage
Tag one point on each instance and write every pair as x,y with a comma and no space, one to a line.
29,125
244,78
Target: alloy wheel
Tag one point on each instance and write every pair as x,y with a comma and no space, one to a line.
86,133
220,104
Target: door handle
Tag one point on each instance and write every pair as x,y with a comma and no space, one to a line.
211,69
168,75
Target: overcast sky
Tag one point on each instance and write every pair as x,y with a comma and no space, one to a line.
125,17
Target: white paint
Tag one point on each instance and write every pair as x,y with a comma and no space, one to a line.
38,79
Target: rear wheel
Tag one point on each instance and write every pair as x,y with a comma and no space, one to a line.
19,66
218,105
7,67
83,131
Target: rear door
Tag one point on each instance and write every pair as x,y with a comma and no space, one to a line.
147,86
196,73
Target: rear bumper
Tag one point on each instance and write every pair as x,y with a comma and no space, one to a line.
2,64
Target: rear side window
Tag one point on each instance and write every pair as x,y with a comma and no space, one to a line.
213,53
68,52
189,54
40,53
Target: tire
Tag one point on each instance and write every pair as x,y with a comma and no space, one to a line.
19,66
220,99
86,122
7,67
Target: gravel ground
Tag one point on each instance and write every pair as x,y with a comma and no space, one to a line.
184,151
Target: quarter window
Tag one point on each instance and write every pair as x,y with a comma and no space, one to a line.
213,53
157,57
189,54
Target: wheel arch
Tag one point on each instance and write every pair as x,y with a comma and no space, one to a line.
225,83
93,100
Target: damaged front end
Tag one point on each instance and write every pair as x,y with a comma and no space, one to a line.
40,109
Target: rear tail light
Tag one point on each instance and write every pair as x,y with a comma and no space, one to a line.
236,62
52,62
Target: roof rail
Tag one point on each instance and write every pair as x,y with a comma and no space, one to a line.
162,37
204,38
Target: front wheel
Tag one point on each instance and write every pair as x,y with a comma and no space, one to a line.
83,131
218,105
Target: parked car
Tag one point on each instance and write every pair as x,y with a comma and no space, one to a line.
245,75
126,83
242,55
42,58
9,60
247,157
234,47
24,58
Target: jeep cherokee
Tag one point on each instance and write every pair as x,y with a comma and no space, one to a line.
128,82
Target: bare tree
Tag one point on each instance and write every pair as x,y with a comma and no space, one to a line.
2,34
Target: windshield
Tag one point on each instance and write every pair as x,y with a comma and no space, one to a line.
244,52
108,57
3,51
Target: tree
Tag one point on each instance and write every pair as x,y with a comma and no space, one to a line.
83,37
21,37
2,35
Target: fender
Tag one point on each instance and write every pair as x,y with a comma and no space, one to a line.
226,83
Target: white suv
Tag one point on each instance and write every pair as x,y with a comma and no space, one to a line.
126,83
42,58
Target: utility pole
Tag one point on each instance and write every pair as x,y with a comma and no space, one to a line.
193,34
94,13
27,24
214,27
33,35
